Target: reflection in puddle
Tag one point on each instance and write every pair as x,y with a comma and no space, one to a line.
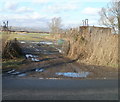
34,59
22,42
30,55
11,71
15,73
41,78
39,70
37,49
21,75
50,52
60,51
72,74
46,42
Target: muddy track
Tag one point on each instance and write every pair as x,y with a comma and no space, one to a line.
44,60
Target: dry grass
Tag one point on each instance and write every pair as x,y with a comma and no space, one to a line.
93,45
4,36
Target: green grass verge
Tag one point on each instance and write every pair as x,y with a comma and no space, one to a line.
28,36
13,63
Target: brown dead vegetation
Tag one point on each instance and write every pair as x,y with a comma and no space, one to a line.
11,50
93,45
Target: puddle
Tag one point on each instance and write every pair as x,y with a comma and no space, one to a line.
72,74
14,73
22,42
30,46
50,52
30,55
11,71
21,75
39,70
46,42
60,51
34,59
41,78
37,49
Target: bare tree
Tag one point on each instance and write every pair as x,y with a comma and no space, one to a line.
110,16
55,25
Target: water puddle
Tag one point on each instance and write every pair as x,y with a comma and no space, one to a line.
39,70
30,56
14,73
21,75
41,78
34,59
11,71
22,42
72,74
37,50
46,42
60,51
50,52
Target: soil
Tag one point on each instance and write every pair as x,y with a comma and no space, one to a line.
51,61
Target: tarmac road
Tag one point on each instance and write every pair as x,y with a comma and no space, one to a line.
49,89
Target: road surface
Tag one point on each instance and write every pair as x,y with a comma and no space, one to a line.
49,89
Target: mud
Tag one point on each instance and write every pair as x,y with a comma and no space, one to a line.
44,60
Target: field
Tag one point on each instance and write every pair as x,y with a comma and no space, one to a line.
7,36
46,60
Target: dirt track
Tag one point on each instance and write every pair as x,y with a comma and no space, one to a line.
45,60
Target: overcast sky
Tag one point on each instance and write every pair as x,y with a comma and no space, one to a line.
37,13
